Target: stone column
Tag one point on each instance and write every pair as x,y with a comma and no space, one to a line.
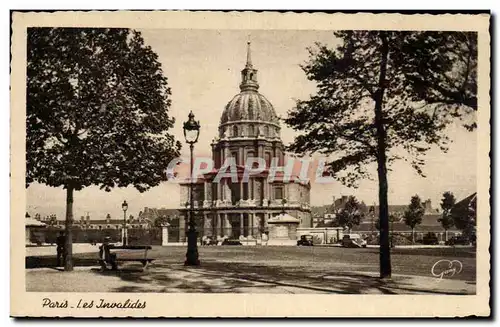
260,151
218,195
227,225
251,218
218,224
205,190
242,224
265,186
228,190
225,153
251,188
241,158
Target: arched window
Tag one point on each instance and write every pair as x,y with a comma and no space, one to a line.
266,130
251,130
235,130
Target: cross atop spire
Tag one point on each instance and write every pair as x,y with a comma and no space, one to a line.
249,55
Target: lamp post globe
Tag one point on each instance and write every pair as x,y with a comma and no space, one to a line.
191,133
124,234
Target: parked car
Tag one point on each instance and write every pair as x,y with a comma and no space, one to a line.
353,241
208,240
305,240
458,240
231,242
430,239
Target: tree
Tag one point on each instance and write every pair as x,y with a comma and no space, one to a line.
414,214
464,216
97,113
375,100
446,220
161,221
351,214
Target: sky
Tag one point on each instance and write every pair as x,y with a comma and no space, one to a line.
203,70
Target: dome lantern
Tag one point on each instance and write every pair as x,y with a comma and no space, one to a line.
249,106
249,74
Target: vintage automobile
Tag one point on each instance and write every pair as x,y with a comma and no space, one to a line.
353,241
458,240
305,240
430,239
208,240
228,241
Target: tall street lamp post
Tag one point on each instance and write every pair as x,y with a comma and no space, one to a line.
191,133
124,208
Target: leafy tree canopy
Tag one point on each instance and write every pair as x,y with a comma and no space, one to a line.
161,221
447,203
464,215
97,110
351,214
415,212
430,78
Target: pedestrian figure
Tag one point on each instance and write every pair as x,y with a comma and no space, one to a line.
106,255
60,241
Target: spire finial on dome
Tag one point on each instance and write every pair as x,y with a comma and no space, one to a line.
249,55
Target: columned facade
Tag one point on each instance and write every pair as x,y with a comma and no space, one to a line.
249,131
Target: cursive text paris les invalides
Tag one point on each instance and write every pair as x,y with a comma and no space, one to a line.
97,303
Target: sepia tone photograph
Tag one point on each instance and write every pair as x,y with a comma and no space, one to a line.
283,161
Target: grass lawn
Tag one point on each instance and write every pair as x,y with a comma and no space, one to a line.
298,261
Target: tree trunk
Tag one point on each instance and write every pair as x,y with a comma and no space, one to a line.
385,250
413,235
445,235
68,246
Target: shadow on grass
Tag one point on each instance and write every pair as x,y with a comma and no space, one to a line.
222,277
51,262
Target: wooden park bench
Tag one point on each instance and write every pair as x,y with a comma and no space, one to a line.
107,257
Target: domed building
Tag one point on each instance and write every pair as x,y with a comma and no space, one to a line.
248,128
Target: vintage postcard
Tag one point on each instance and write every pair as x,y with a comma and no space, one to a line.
243,164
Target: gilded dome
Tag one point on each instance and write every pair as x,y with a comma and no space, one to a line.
249,105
